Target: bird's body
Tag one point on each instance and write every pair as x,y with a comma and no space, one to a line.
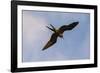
58,33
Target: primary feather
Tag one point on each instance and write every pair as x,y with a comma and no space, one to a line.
67,27
52,41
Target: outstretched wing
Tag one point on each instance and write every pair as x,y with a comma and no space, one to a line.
52,41
67,27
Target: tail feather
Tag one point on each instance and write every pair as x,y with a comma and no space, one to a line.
50,28
53,28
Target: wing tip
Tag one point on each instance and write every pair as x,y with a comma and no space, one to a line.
76,22
44,48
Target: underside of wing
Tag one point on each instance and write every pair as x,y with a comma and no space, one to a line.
52,41
67,27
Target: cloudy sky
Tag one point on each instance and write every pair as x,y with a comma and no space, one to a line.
75,45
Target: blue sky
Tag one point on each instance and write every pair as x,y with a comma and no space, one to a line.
74,46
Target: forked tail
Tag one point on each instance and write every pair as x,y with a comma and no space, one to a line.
52,29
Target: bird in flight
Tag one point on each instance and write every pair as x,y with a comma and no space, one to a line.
58,33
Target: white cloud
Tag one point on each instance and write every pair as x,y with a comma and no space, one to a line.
35,34
33,25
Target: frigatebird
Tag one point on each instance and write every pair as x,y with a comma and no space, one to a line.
58,33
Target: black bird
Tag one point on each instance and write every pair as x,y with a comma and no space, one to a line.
58,33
